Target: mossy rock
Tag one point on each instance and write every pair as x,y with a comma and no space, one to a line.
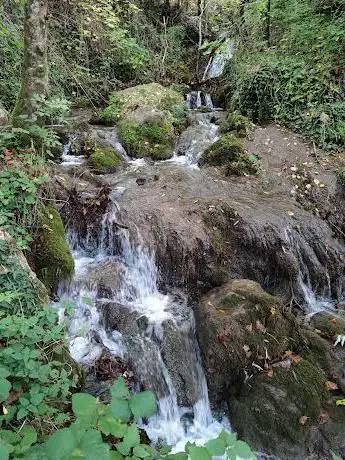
52,258
236,124
329,325
226,149
104,160
229,151
151,95
268,410
148,132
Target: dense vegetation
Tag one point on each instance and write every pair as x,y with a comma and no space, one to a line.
288,66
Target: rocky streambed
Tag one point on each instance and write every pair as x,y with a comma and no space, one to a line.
258,260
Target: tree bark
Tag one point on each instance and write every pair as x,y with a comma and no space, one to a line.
35,67
268,24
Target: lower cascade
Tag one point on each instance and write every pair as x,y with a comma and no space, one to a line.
160,347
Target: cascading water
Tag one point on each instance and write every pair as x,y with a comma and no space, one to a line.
218,61
199,100
139,295
312,303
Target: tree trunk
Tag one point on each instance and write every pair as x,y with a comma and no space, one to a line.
268,23
35,68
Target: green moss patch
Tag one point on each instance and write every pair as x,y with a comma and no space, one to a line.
104,160
151,139
52,257
267,412
229,152
236,124
151,95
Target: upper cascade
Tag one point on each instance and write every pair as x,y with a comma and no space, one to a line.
199,100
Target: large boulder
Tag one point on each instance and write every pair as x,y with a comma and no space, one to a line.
151,95
229,153
148,132
147,117
51,255
258,357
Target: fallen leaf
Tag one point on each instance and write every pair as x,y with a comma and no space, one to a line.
270,373
295,358
303,420
331,386
290,213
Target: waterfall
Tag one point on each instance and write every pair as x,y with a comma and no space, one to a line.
139,295
197,100
217,63
68,159
312,303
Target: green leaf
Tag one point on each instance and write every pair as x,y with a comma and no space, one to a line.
61,444
4,453
4,372
119,408
108,425
216,446
142,451
199,453
5,387
340,402
29,436
132,439
115,456
119,389
229,438
92,447
178,456
243,450
85,408
143,404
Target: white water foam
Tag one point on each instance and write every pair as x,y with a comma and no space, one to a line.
139,292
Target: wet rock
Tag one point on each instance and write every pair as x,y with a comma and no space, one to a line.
177,354
236,324
256,355
197,137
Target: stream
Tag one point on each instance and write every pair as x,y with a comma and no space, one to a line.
150,328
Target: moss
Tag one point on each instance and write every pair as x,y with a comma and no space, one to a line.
226,149
153,140
180,121
238,123
229,151
151,95
257,413
111,114
329,325
341,176
104,160
52,258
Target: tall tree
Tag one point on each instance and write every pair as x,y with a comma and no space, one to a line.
35,66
